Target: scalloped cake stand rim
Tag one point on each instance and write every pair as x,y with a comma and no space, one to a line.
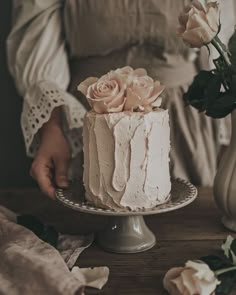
182,194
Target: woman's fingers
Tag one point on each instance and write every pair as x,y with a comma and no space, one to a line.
61,171
41,172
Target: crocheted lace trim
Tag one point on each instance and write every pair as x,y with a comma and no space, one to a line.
39,103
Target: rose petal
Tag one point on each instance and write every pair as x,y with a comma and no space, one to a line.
83,86
198,5
213,18
105,90
172,274
92,277
125,70
157,102
113,109
183,19
140,72
188,281
197,37
118,99
180,31
158,89
132,100
197,20
145,92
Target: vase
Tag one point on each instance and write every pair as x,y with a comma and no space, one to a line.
225,182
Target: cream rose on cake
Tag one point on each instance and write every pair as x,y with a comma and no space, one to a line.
123,89
126,138
143,94
105,95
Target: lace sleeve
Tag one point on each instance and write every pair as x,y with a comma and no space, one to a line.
38,62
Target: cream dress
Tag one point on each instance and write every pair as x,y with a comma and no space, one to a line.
55,44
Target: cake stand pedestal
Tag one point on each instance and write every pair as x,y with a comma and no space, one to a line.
127,231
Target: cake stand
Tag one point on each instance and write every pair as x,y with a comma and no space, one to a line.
127,231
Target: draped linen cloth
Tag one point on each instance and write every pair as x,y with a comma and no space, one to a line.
56,44
30,266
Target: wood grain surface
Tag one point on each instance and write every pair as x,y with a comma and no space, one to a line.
187,233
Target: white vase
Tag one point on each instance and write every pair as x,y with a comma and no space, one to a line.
225,182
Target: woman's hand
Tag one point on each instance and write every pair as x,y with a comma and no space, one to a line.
50,165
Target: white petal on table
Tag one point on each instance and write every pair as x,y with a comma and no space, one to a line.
92,277
70,247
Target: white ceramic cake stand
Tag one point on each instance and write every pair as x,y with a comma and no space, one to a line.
126,231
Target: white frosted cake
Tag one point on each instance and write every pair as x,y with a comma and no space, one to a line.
126,139
126,159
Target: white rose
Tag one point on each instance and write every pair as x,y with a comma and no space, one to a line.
195,278
199,24
143,93
105,95
128,73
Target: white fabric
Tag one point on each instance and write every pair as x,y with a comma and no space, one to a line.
47,269
38,62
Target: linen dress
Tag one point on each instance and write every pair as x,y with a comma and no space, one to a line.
56,44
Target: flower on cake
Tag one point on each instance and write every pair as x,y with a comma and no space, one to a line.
143,94
106,94
123,89
199,24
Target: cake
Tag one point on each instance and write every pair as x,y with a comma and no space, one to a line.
126,142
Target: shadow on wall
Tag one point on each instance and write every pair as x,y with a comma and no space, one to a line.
14,164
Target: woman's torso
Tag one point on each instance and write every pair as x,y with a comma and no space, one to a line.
106,34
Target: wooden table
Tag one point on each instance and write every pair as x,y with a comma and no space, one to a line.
187,233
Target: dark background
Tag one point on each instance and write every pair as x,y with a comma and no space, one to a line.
14,164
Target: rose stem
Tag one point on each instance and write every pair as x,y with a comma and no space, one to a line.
219,46
224,270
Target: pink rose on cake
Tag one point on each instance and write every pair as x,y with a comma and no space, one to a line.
127,73
143,94
123,89
105,95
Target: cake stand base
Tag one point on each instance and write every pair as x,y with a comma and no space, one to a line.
126,234
126,231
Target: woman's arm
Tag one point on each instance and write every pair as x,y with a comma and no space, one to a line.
38,62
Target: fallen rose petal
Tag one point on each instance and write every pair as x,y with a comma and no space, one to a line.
95,277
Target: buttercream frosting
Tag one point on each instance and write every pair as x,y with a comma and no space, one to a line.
126,159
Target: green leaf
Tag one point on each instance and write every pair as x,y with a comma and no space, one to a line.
228,281
215,262
46,233
229,248
222,106
196,94
213,89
